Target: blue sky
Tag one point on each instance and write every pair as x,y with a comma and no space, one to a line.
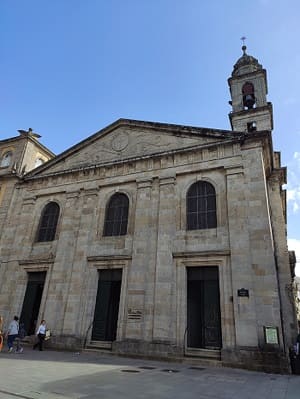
70,67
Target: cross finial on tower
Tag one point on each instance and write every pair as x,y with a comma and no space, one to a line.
243,38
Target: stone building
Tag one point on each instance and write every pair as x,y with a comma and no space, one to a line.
18,155
156,239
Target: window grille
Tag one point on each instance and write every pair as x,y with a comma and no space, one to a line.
48,222
116,217
201,206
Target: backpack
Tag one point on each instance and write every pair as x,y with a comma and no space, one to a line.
22,331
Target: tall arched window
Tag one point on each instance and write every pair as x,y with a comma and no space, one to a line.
201,206
116,217
6,159
48,222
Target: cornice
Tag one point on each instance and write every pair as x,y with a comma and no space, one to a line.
159,154
201,254
162,127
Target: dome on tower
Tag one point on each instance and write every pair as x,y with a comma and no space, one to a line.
246,64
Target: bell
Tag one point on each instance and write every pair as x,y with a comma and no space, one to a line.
249,101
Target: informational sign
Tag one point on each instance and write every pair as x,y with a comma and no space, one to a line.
271,335
134,314
243,292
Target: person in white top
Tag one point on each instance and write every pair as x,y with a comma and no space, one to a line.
41,333
12,333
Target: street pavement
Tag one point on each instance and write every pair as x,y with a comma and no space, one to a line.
89,375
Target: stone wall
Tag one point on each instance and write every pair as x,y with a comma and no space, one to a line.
155,252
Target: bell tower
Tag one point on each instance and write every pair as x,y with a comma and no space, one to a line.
248,88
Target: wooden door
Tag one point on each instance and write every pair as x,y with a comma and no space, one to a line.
203,308
32,301
107,305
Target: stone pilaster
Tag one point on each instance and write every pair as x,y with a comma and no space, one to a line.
164,327
244,307
264,274
79,218
141,273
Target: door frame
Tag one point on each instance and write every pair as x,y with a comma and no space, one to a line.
32,301
97,263
202,282
221,259
33,267
108,307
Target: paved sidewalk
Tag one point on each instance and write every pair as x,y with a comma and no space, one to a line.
67,375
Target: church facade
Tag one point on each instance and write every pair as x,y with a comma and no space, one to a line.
156,239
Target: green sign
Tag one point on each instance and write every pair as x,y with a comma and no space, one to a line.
271,335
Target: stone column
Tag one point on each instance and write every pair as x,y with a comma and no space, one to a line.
141,272
164,325
56,302
263,263
241,272
81,221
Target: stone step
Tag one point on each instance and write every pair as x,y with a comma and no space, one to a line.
201,362
203,353
194,359
99,345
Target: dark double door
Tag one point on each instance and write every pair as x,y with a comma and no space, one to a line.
203,308
32,301
107,305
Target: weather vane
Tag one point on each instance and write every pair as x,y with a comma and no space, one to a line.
244,48
243,38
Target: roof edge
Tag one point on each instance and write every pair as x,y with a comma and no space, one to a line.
174,128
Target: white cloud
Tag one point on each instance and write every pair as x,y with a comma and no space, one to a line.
293,186
294,245
297,155
293,199
291,194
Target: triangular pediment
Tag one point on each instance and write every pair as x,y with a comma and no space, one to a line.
127,139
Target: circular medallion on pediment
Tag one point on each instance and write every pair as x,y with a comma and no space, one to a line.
120,141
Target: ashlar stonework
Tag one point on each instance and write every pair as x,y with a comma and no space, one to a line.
161,289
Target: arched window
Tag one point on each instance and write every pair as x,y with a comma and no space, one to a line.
48,222
116,217
6,159
201,206
248,95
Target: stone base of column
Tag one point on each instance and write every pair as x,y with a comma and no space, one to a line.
65,342
153,349
255,359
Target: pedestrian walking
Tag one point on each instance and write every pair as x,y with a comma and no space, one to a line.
41,334
12,333
21,335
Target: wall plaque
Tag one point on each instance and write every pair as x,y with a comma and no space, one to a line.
271,335
243,292
134,314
